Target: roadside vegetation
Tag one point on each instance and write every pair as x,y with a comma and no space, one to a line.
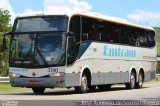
157,29
7,88
4,27
156,80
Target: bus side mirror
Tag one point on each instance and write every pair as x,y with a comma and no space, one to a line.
4,45
71,38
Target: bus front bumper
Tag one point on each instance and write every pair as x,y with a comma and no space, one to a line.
49,82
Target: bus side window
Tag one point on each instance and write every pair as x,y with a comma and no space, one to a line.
142,40
88,29
132,39
99,37
114,36
92,32
109,37
121,35
151,41
146,40
85,36
75,27
139,41
107,33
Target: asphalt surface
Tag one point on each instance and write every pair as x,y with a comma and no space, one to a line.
67,97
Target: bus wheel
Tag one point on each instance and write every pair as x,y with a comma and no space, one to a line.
38,90
139,84
132,83
84,85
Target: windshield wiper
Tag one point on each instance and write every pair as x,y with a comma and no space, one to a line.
38,51
41,56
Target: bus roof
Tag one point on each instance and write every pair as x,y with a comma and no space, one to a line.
87,14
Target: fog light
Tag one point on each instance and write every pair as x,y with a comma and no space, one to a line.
11,74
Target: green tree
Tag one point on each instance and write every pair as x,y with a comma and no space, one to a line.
5,18
157,29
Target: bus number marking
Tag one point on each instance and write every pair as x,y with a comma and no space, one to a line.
53,70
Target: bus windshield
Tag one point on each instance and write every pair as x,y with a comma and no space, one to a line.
38,42
45,23
30,50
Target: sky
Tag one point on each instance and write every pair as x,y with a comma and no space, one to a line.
143,12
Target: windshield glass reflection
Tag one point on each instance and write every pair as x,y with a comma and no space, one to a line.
38,49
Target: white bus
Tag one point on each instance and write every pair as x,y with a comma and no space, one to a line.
81,50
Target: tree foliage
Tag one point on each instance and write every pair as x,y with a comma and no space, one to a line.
157,29
157,38
5,18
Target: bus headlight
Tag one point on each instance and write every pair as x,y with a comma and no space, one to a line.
11,74
57,74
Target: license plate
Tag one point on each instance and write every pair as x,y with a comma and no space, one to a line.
33,82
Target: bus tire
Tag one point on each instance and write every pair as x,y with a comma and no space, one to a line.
139,84
38,90
84,85
132,83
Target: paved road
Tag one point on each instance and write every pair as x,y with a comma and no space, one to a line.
148,92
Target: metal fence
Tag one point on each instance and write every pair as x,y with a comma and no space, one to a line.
4,79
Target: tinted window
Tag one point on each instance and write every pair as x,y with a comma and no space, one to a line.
141,37
55,23
100,30
75,27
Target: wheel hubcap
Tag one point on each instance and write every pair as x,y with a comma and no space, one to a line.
140,80
133,81
84,83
